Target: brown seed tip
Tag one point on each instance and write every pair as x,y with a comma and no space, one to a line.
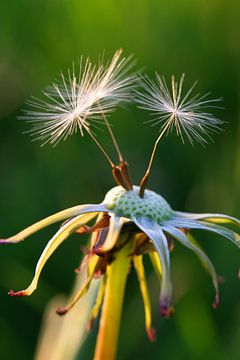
77,270
216,303
166,311
5,241
89,325
61,311
151,334
18,293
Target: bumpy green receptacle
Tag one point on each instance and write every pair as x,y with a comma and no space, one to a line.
129,204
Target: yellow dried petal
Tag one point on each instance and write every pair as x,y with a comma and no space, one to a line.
139,267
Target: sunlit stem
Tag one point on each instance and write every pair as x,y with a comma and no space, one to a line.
102,149
112,137
145,178
117,273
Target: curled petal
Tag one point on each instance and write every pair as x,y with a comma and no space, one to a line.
191,244
115,227
155,233
59,216
98,226
215,218
95,235
93,261
138,264
52,245
203,225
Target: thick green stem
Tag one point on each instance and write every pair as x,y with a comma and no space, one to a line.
117,273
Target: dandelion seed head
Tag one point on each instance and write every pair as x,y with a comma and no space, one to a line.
76,101
175,109
129,204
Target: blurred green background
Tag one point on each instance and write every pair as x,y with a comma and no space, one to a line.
200,38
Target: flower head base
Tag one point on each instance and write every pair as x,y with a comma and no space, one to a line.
129,204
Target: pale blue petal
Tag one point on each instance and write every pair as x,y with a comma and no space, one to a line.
115,227
215,218
202,225
155,233
180,236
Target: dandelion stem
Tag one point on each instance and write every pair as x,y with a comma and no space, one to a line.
145,178
112,137
117,272
101,148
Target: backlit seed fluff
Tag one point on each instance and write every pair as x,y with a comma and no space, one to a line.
76,102
173,108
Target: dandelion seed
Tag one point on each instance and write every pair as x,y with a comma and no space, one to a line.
186,113
77,102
